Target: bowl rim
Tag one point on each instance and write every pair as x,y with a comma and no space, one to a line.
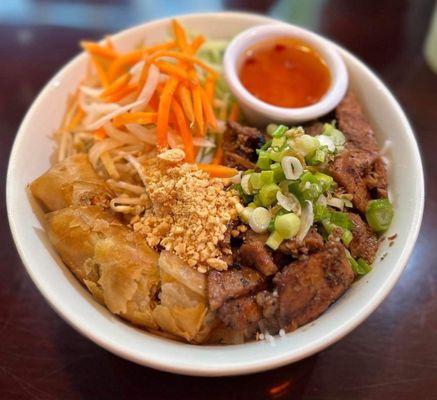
262,33
230,367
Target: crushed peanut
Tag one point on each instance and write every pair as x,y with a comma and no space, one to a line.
189,212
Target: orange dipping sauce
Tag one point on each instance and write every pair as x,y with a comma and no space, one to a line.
285,72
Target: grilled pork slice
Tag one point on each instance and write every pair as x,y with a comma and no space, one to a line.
230,284
359,169
364,243
307,287
355,126
242,314
348,170
73,181
312,242
240,144
254,253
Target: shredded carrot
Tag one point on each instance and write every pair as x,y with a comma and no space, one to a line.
76,119
218,156
219,171
100,71
154,102
235,113
181,101
99,133
163,111
109,43
116,85
126,60
183,57
207,108
184,131
98,50
187,104
210,87
162,46
198,109
121,93
142,118
172,69
179,32
195,44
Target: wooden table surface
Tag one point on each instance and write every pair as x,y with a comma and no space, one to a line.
392,355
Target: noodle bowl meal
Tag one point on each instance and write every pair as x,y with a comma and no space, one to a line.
185,221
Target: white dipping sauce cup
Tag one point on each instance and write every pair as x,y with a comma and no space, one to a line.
261,113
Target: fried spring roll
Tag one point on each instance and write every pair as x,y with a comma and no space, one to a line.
73,181
114,263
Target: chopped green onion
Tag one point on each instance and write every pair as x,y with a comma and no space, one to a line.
360,266
354,265
336,135
279,131
292,167
266,177
311,192
326,141
271,227
271,128
243,196
256,200
277,155
326,181
278,143
263,160
307,176
245,184
320,213
245,214
364,266
274,240
259,219
255,180
306,144
341,219
379,214
289,202
316,158
267,194
265,146
328,225
278,173
347,237
287,225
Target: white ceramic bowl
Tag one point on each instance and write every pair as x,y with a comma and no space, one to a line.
257,111
31,156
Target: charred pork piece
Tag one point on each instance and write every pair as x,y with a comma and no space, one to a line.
230,284
307,287
254,253
359,169
311,243
73,181
364,243
313,128
240,144
376,179
355,126
242,314
348,170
